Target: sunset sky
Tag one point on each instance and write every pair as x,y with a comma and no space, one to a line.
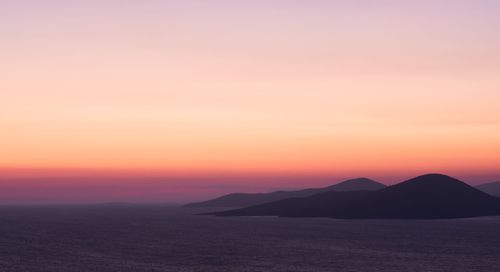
177,100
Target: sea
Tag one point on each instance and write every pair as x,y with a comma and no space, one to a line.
136,238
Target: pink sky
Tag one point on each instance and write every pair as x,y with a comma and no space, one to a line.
247,89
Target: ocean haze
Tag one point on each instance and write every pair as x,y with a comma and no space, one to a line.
84,186
88,187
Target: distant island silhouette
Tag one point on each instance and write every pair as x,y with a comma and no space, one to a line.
430,196
250,199
492,188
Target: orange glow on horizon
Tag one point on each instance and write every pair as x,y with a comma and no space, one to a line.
192,88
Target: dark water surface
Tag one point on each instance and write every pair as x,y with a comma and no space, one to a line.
160,238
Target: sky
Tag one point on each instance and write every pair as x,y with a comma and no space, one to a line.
180,100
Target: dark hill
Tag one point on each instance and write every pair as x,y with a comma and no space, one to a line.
247,199
428,196
492,188
324,204
359,184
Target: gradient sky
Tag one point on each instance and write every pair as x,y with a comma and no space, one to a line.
175,100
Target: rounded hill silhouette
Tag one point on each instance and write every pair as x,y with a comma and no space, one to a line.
425,197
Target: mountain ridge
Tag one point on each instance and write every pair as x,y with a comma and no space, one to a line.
430,196
492,188
249,199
